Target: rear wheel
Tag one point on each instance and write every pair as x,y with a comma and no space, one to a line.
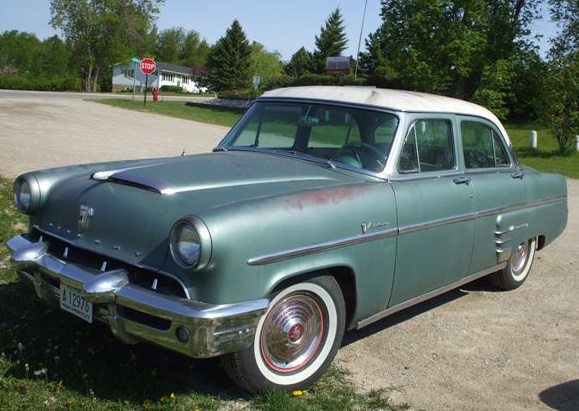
518,267
295,341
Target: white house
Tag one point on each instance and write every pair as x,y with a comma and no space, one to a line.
129,76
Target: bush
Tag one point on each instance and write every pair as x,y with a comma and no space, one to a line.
172,89
67,83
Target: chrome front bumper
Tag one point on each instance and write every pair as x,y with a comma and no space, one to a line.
134,313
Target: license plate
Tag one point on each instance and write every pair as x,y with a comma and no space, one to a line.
72,301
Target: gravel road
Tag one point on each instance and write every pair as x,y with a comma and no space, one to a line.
471,349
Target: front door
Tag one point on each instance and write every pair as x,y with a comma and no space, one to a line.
435,212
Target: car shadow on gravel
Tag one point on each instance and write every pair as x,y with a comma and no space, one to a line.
401,316
562,397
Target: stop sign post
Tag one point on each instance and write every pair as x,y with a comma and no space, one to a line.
147,66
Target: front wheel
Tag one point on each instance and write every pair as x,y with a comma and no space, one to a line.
295,341
518,267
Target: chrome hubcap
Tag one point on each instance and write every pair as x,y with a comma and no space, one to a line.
292,332
519,258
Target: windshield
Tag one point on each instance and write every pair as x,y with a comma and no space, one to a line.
348,136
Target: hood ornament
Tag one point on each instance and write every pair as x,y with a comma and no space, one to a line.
84,215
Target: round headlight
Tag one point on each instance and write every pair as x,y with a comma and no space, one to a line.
190,243
22,195
185,244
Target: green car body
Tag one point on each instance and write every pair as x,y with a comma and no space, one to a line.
323,209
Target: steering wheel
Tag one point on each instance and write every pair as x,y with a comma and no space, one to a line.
357,146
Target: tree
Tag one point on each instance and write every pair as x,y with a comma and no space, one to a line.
229,61
562,85
194,51
302,62
265,64
101,33
448,47
169,45
54,58
332,40
19,51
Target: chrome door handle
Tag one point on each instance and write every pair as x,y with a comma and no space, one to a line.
461,180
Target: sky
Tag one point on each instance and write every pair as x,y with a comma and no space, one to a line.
280,25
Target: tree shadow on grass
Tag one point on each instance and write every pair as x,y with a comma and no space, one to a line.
527,152
42,342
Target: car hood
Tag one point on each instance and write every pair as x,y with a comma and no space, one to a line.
125,210
216,170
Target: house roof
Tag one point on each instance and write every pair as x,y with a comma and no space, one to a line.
174,68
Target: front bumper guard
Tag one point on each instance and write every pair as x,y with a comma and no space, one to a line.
193,328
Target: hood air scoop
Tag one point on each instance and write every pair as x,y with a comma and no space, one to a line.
130,176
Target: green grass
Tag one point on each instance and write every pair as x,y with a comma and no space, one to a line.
547,156
178,109
51,360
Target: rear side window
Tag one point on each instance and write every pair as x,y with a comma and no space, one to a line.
428,146
483,148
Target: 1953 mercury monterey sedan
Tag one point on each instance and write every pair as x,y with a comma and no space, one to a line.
323,209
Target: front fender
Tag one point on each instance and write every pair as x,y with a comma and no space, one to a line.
259,244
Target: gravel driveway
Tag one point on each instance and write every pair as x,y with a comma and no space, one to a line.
470,349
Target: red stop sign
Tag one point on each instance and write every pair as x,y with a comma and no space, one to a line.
148,66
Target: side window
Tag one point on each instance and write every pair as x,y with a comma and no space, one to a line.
428,146
483,148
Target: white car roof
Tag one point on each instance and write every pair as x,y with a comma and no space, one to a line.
399,100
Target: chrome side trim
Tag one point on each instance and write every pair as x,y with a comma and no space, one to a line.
319,247
408,229
427,296
413,228
520,206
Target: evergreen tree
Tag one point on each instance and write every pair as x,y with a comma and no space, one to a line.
302,62
229,61
332,40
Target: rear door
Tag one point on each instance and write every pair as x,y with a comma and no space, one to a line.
500,193
435,211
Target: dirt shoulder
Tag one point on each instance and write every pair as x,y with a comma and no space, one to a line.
470,349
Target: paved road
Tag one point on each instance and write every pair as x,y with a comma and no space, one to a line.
471,349
45,129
